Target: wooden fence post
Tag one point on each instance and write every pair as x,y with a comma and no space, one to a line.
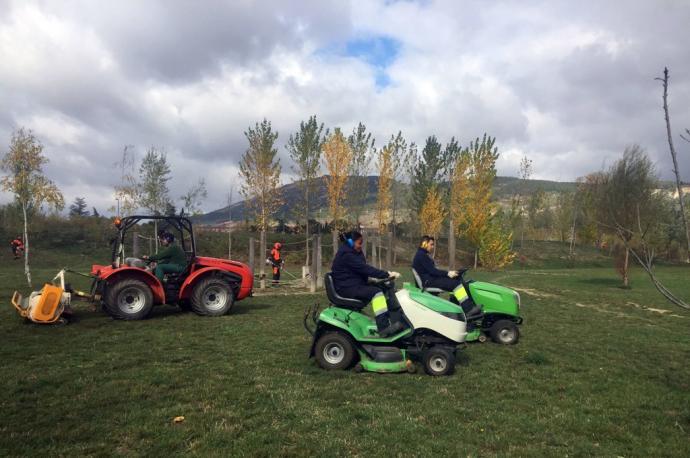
314,260
251,263
136,249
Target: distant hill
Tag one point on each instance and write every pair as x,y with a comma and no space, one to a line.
290,194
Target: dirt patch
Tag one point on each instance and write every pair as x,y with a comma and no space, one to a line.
664,312
535,293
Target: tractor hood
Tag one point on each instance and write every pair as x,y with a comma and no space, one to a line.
495,298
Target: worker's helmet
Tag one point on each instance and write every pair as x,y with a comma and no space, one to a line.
277,246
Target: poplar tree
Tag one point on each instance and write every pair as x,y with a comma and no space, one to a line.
337,157
304,148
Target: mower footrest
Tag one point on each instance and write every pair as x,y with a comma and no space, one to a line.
384,354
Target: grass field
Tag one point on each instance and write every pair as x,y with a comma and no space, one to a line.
599,371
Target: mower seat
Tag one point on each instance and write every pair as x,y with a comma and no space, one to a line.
337,299
418,282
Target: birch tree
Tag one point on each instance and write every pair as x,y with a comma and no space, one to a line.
676,172
154,194
23,164
194,198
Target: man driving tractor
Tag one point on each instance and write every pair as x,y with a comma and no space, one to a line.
432,277
350,272
171,259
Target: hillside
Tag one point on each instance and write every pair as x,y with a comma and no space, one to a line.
290,194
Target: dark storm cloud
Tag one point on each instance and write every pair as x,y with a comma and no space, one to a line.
568,84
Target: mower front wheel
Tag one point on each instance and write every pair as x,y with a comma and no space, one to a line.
129,299
334,351
438,361
212,297
504,332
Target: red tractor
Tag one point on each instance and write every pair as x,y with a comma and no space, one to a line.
208,286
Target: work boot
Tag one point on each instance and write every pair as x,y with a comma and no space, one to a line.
392,329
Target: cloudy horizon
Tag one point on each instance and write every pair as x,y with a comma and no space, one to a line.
568,85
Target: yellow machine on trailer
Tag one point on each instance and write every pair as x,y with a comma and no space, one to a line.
47,305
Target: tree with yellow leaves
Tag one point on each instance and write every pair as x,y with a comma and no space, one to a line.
475,170
432,213
494,248
337,157
23,164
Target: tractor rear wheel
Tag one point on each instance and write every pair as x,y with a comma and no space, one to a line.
334,351
129,299
212,296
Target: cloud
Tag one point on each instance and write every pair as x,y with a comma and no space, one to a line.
569,85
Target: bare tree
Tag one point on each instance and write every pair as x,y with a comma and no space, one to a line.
664,82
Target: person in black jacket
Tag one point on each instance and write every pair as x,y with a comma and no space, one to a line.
433,277
350,273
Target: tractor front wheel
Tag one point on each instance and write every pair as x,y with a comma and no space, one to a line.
504,332
212,297
129,299
438,361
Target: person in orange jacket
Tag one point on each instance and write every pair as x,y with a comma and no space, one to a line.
276,261
17,246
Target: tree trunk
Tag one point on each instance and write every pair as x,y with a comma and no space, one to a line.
626,281
262,259
476,258
27,270
572,234
451,245
334,233
306,194
675,165
155,235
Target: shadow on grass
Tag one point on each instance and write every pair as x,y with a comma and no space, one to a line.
602,281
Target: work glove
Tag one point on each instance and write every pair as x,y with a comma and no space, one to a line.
394,274
453,274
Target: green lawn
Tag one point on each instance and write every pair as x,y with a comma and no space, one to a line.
599,371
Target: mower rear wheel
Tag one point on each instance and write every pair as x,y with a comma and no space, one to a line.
504,332
212,297
334,351
129,299
438,361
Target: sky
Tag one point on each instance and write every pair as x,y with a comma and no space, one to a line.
568,84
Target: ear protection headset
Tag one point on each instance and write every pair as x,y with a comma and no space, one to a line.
426,242
349,240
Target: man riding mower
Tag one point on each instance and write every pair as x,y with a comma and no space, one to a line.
490,309
171,260
408,325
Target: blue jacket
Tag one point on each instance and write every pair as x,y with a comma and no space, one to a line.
350,269
425,266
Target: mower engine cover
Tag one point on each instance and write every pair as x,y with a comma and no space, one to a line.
495,298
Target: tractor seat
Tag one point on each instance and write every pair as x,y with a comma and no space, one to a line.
337,299
418,282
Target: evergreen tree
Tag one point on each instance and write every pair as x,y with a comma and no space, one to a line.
78,208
